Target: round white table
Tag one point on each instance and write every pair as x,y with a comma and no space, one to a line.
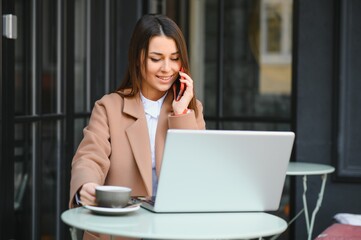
307,169
302,168
148,225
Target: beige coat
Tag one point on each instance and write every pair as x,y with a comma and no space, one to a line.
116,150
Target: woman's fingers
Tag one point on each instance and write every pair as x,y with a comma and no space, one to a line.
179,106
87,194
188,81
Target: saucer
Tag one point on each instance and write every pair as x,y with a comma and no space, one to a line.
112,211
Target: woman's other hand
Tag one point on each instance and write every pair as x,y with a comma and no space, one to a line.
87,194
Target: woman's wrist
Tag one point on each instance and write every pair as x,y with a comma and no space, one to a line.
185,111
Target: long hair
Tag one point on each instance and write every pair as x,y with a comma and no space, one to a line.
149,26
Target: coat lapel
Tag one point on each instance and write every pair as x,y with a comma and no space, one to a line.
139,139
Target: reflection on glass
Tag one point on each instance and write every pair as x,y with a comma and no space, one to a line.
256,62
22,93
50,155
275,64
210,61
23,153
274,27
79,125
49,85
46,161
80,55
254,125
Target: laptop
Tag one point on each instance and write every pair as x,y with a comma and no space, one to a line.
222,171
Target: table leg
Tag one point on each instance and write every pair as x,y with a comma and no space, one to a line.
73,233
318,205
309,222
305,207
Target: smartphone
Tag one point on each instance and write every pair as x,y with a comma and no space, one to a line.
178,87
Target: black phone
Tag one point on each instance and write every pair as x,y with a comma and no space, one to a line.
178,88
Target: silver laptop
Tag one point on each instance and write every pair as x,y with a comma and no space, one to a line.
222,171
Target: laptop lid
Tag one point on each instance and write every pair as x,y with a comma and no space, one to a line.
222,171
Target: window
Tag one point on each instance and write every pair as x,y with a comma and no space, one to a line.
237,77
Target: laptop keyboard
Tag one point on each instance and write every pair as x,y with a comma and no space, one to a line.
149,200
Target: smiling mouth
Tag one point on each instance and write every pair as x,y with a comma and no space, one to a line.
165,78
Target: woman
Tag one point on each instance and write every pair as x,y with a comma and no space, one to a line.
124,140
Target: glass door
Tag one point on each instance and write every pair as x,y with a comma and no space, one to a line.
39,119
59,53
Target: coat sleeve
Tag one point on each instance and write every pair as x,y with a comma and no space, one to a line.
188,120
91,160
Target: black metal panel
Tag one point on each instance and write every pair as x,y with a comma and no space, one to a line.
67,143
347,135
7,53
313,65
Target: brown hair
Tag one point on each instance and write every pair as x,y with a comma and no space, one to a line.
149,26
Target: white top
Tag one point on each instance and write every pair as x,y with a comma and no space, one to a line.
152,111
302,168
144,224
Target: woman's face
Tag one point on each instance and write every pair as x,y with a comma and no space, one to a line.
163,64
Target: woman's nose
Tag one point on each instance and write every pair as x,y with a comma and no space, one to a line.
166,66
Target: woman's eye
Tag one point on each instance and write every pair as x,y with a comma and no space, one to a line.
154,59
175,59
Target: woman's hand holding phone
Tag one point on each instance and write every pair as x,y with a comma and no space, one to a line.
182,94
178,87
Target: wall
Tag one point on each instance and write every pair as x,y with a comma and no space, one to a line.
318,62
